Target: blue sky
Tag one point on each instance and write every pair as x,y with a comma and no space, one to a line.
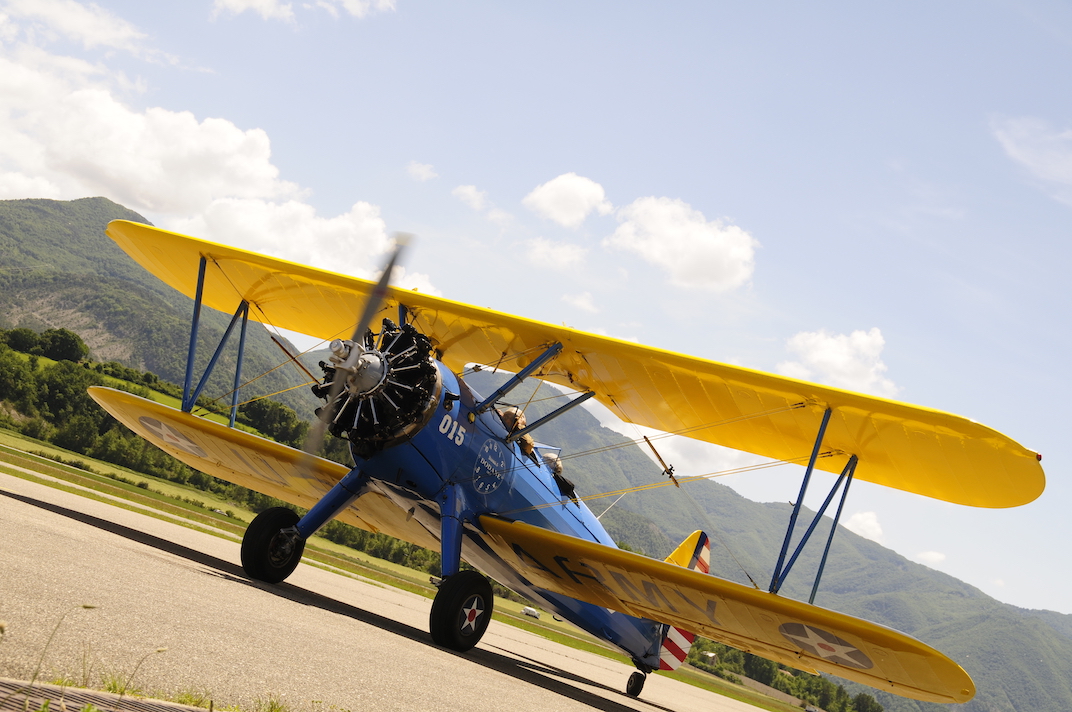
878,198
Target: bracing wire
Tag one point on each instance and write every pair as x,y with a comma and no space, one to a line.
618,494
703,516
290,359
655,485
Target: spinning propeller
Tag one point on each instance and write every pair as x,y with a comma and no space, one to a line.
380,389
362,368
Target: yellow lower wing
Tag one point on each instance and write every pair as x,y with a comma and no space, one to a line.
255,463
790,632
796,634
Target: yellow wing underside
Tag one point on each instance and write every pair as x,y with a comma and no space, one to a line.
254,463
906,447
796,634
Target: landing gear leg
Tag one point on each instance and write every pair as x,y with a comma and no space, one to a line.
635,686
271,546
461,611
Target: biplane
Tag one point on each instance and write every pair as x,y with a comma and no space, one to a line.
437,464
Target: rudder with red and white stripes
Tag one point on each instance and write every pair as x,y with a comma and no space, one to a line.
693,553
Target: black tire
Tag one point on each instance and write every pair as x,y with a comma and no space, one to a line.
267,554
635,685
461,611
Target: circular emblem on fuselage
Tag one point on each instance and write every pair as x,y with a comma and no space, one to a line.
490,469
171,436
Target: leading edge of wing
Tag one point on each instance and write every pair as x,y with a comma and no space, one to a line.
898,445
790,632
253,462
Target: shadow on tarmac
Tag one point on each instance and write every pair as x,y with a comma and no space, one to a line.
548,677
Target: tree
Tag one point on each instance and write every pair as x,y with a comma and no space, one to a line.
760,669
24,340
78,434
62,345
275,420
17,381
62,392
864,702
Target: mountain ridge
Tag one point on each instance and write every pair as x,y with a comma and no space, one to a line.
59,269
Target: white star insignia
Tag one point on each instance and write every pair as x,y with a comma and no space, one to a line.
170,436
472,613
825,645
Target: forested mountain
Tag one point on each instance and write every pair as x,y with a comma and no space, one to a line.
59,270
1020,660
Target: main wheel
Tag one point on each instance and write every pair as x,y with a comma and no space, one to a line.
635,685
269,554
461,611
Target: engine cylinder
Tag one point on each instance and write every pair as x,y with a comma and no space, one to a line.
390,394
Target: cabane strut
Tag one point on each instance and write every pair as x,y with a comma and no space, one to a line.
782,568
191,393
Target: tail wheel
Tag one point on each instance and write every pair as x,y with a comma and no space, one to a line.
635,685
461,611
269,553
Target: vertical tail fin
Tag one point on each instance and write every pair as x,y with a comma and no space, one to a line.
693,553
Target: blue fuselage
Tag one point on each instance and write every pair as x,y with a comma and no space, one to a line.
460,464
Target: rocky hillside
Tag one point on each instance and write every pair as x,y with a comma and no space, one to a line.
58,269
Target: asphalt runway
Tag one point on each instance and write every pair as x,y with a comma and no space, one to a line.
319,641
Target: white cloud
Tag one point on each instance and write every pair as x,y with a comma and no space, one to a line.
359,8
1044,151
558,255
19,185
421,171
468,194
851,362
582,301
568,199
866,525
293,231
91,25
279,10
499,217
478,200
352,243
931,558
65,134
697,253
267,9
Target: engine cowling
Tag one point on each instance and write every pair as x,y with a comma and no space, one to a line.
390,393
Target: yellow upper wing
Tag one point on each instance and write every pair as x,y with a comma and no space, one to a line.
796,634
903,446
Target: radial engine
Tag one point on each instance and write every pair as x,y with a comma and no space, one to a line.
389,393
